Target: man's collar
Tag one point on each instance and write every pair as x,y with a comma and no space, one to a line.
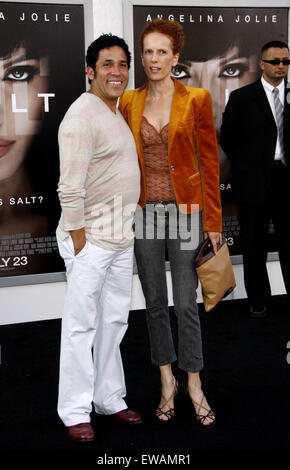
270,87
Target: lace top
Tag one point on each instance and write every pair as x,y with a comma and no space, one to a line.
155,149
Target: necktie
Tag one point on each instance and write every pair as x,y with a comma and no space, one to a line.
279,118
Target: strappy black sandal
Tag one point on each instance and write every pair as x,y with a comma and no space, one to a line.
169,413
201,418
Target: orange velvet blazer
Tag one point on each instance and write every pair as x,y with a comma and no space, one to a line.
193,159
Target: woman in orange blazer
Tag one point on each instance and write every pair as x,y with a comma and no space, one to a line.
176,142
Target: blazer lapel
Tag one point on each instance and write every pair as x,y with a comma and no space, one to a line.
178,106
136,115
262,100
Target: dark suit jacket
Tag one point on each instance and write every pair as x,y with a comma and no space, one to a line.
248,137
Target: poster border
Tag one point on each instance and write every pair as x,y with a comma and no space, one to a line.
44,278
128,33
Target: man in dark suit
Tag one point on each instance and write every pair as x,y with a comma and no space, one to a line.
255,134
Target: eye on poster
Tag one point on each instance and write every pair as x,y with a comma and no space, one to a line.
42,72
221,53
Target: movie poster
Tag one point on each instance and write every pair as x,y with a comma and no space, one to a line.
221,53
42,72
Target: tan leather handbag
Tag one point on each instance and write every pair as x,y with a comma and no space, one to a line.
215,273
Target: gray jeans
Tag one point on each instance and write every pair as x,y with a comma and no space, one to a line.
153,235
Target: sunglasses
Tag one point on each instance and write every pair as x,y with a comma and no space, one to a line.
277,61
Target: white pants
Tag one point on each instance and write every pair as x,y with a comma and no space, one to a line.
95,319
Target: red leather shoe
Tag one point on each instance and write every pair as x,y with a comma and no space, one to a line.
81,432
128,417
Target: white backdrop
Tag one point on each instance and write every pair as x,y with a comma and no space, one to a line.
44,301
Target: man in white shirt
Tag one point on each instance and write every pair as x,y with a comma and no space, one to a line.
255,135
98,190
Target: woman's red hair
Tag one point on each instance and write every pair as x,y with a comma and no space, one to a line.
172,29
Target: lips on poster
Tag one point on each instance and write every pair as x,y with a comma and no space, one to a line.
221,53
42,72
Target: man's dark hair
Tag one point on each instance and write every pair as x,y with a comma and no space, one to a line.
103,42
269,44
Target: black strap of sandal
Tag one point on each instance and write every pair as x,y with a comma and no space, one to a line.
169,413
202,418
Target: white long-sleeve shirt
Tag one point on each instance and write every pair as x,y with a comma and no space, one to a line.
99,182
